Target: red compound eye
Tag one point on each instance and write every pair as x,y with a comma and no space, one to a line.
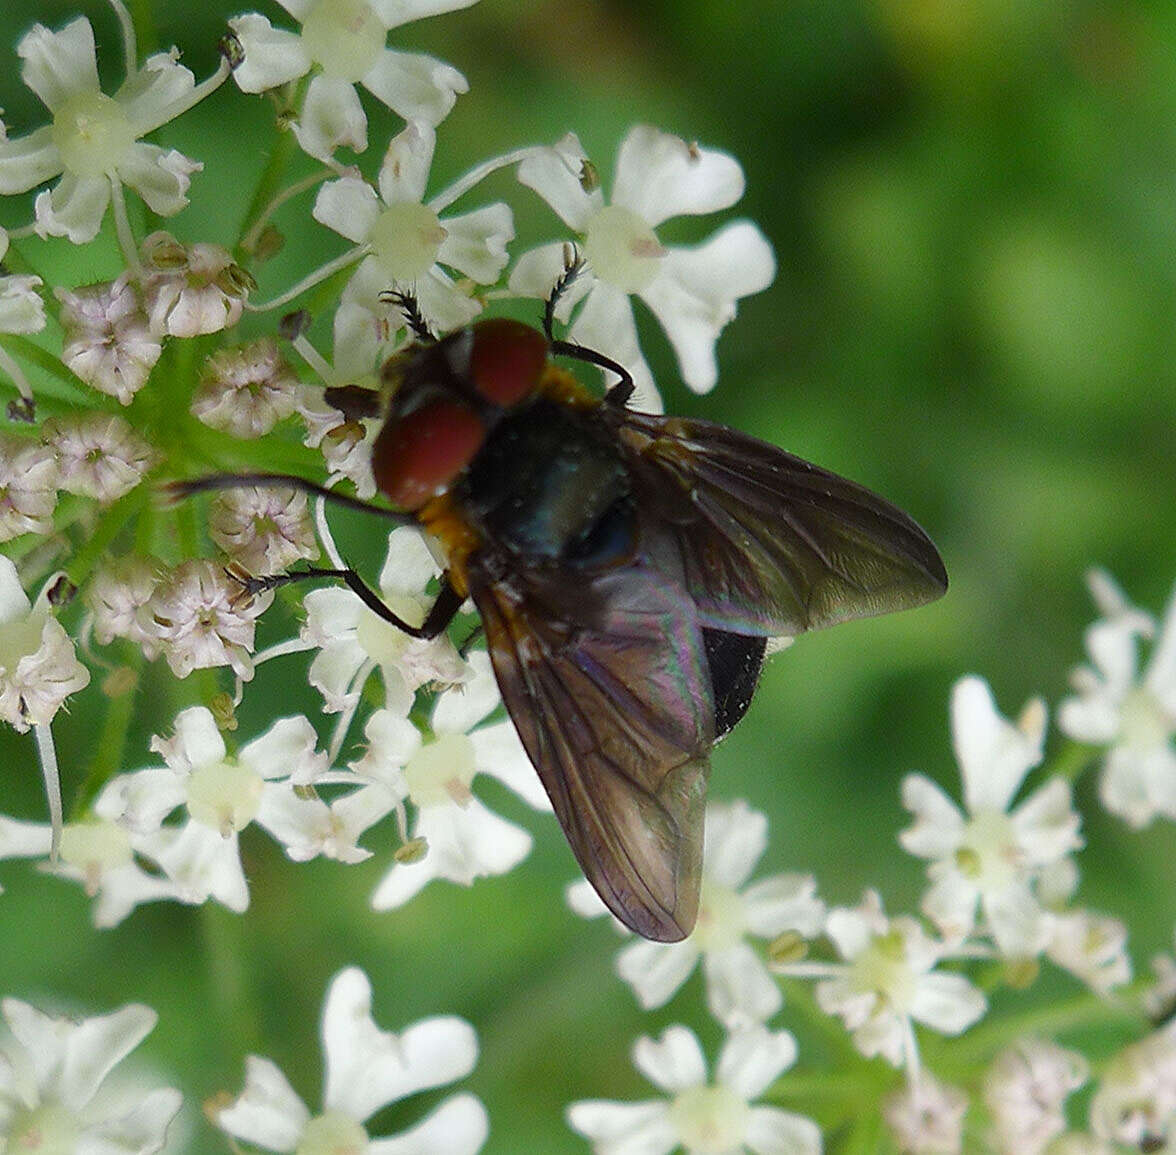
420,455
507,360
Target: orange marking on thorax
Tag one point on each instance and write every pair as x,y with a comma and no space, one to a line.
559,385
441,517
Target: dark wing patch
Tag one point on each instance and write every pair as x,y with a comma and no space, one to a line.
608,687
765,542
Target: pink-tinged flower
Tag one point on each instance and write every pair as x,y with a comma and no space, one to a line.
189,290
731,910
247,390
21,307
264,530
701,1117
407,244
108,340
366,1070
94,141
464,840
28,486
692,291
200,618
1135,1103
1092,947
52,1097
119,596
1133,715
888,982
1026,1089
98,454
991,856
344,42
927,1117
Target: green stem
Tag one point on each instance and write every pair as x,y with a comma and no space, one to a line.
112,743
111,523
268,185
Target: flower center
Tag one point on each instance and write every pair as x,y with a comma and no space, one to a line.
988,854
224,795
883,968
333,1133
441,771
92,133
1143,723
622,249
48,1129
94,848
344,38
722,919
405,240
710,1119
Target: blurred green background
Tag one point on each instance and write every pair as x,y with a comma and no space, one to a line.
973,206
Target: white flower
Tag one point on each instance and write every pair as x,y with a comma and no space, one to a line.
94,138
28,486
344,42
247,390
366,1069
108,341
1093,947
1135,1103
98,454
38,666
927,1117
118,596
52,1097
992,856
191,290
264,530
408,245
740,990
1132,715
21,307
221,796
691,291
888,982
1026,1089
353,641
201,619
702,1117
1160,1000
464,839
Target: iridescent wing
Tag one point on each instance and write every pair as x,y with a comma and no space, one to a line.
764,542
607,683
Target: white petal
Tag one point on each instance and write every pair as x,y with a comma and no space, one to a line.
142,1129
1095,717
392,741
674,1062
751,1060
394,13
784,902
331,116
150,95
660,176
21,308
1019,925
1111,646
696,289
202,863
947,1002
286,750
14,602
196,742
605,323
404,172
1161,670
95,1046
332,612
415,86
994,755
739,990
655,970
74,208
556,174
333,673
1046,824
273,56
28,160
447,305
409,565
499,752
24,839
458,1127
951,904
534,275
735,839
772,1131
127,887
356,335
59,65
267,1112
160,176
625,1128
368,1068
460,709
938,823
475,242
349,206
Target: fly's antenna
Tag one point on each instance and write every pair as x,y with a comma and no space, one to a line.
574,264
407,303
